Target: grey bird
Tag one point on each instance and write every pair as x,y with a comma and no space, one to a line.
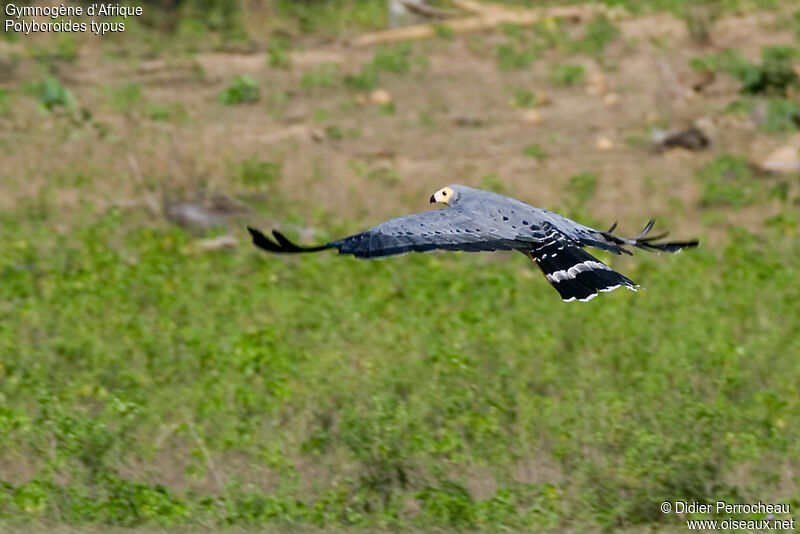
477,221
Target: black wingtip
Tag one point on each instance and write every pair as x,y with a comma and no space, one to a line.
648,243
281,244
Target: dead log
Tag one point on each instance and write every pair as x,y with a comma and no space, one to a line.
486,21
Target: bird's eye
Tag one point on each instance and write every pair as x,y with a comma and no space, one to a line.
444,193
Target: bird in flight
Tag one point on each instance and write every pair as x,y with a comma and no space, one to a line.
476,221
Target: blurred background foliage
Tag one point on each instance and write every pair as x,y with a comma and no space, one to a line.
155,370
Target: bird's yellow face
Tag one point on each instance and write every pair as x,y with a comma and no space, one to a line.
442,196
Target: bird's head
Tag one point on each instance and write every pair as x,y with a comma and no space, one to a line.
450,195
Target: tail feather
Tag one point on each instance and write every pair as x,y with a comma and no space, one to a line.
573,272
281,243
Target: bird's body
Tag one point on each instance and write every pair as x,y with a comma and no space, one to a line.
477,221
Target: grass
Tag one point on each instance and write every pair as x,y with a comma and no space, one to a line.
5,102
396,59
324,75
774,75
124,346
522,97
125,98
730,181
256,173
597,35
148,383
535,151
278,52
53,95
242,89
567,74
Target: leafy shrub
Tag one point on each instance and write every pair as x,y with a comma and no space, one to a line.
523,97
396,59
448,504
783,115
515,56
567,74
597,35
242,89
776,73
53,95
773,76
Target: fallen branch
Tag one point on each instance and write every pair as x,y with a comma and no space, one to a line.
429,11
486,21
479,8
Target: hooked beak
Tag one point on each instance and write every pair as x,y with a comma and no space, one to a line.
433,199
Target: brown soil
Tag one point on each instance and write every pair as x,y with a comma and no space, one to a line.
475,130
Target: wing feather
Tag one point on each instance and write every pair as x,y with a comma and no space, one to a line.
452,229
447,229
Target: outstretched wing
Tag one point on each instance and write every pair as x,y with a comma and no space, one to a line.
445,229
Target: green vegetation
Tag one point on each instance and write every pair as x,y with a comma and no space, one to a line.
519,50
126,98
783,115
257,173
149,378
243,89
337,133
728,181
396,59
535,151
278,52
796,23
120,345
170,111
387,109
65,49
494,182
443,31
768,89
597,35
510,57
324,75
524,46
522,97
5,101
774,114
567,74
53,95
775,74
333,17
581,188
